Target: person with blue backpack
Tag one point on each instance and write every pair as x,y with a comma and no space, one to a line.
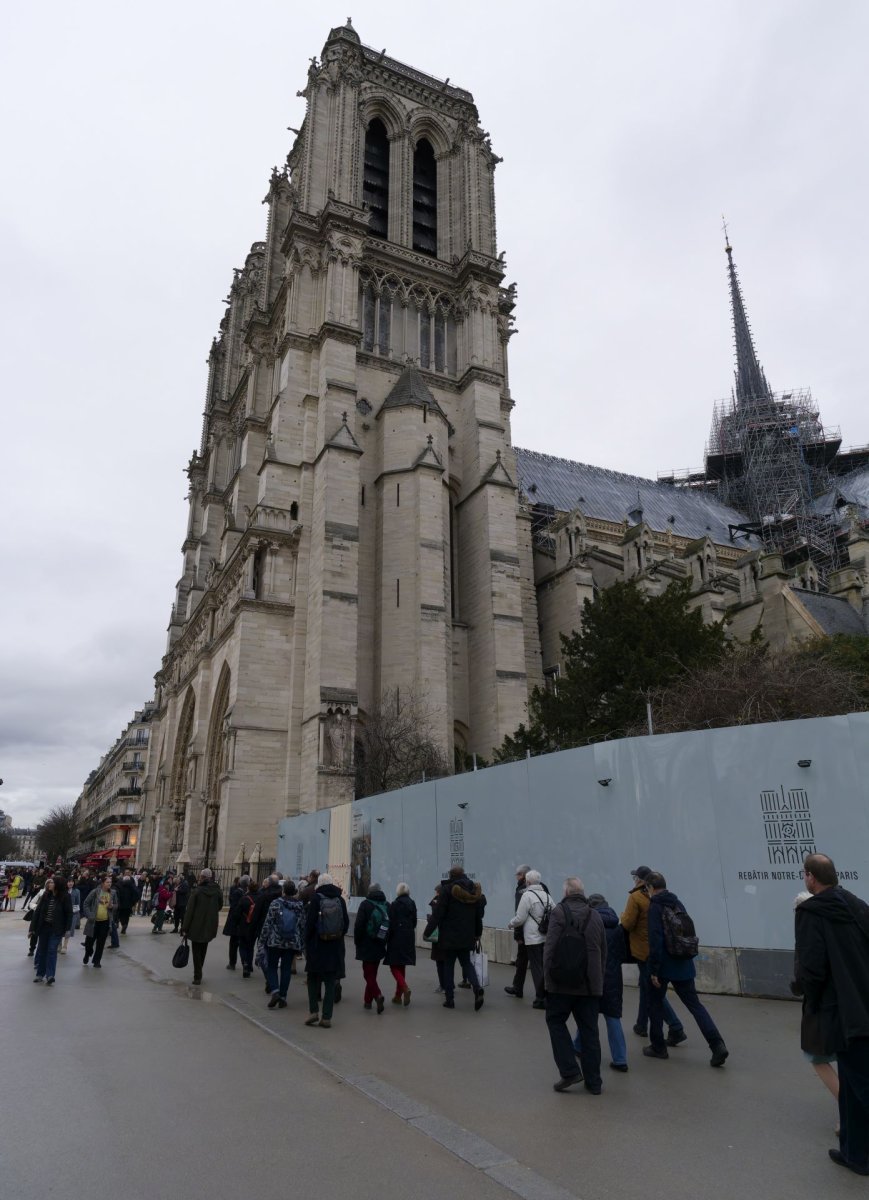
282,934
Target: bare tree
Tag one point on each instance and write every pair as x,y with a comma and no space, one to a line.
752,685
395,745
58,833
8,844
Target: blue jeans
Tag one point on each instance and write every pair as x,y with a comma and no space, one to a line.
283,958
670,1015
687,993
616,1038
45,959
116,941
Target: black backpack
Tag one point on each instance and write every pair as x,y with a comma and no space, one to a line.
680,937
569,965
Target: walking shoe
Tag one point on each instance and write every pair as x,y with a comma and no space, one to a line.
641,1031
676,1037
566,1081
396,999
230,966
381,1004
449,1004
273,1003
838,1157
268,990
479,1000
49,982
618,1067
338,993
651,1052
594,1088
63,949
99,966
39,979
405,999
719,1054
314,1019
439,991
464,984
539,1004
367,1004
30,954
282,1003
86,959
325,1023
511,991
244,974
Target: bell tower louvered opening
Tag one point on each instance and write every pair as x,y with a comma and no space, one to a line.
425,199
375,178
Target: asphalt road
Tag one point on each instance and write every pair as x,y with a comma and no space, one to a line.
129,1078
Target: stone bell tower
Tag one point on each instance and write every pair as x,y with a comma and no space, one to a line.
394,281
355,525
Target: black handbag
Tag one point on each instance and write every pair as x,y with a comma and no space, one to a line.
181,957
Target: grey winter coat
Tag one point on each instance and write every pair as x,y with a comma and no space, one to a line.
595,942
89,908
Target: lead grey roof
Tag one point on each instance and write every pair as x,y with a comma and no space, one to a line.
612,496
410,389
853,488
833,613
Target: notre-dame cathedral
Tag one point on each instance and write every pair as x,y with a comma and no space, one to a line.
359,519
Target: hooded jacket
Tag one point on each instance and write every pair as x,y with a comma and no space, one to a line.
202,914
661,964
458,914
832,950
611,1000
369,949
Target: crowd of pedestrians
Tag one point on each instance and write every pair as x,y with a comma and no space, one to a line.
573,946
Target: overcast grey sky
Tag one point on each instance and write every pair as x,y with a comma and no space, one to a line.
137,145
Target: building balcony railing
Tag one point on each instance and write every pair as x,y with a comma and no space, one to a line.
133,765
128,791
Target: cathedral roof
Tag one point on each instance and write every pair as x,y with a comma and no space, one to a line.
852,488
612,496
411,389
833,613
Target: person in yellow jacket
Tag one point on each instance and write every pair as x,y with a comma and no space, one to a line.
635,921
15,891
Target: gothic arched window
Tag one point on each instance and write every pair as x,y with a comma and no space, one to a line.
375,178
425,199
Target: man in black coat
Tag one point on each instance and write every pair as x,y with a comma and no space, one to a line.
458,915
832,944
128,895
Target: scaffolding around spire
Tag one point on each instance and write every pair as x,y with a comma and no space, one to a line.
770,456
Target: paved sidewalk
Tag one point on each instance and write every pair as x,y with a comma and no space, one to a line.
759,1127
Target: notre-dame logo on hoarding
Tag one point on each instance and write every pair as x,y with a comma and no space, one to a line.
787,822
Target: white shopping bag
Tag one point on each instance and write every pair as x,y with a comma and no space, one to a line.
480,963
